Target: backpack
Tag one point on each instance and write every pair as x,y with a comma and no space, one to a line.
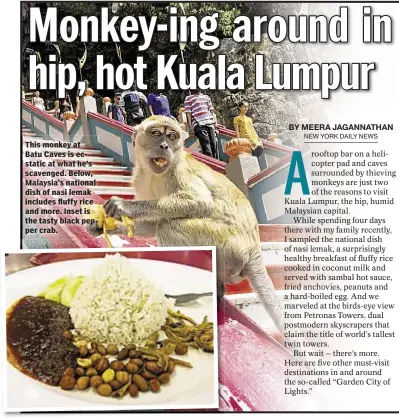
133,105
133,98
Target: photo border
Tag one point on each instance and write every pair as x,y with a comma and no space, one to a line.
108,408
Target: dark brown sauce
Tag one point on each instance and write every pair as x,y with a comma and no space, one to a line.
35,341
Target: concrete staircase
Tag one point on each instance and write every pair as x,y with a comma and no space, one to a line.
112,179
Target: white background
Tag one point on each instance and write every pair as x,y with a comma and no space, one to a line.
381,104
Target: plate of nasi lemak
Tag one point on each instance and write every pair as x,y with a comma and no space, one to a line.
104,334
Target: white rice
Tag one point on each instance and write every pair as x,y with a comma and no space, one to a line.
118,304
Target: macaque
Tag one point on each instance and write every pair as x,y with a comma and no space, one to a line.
183,202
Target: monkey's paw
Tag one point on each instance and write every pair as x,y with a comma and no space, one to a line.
114,208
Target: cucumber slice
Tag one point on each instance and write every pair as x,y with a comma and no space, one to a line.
53,291
54,295
68,292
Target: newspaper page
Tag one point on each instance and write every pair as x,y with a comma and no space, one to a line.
208,209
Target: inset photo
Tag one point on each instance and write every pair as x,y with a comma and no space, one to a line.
110,330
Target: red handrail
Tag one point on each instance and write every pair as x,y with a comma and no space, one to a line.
42,113
274,168
115,124
217,165
266,173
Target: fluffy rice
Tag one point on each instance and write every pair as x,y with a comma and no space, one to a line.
118,304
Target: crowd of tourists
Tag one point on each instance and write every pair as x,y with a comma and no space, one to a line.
60,105
197,114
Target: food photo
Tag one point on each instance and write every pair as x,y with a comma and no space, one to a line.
110,330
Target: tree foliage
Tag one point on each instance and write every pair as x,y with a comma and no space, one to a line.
72,52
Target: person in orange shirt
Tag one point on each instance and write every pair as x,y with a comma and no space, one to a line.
244,128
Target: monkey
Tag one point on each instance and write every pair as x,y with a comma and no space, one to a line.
183,202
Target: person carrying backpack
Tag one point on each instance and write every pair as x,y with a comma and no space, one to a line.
135,104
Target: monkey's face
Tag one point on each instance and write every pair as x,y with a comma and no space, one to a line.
160,143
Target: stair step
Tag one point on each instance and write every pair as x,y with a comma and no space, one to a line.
110,167
93,159
113,178
107,196
272,233
28,133
98,170
105,180
43,139
88,151
98,159
114,191
104,183
108,162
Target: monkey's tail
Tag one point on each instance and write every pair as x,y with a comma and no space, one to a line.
260,281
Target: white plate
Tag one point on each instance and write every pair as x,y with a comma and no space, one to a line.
191,388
